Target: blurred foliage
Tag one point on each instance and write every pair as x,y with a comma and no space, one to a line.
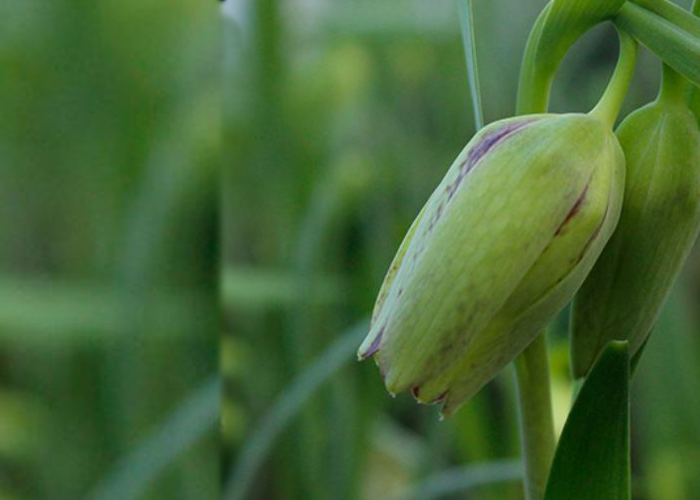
108,148
340,118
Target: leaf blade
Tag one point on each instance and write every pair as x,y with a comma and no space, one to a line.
466,17
592,459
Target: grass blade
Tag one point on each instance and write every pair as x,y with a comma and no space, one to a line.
460,479
196,416
466,18
288,405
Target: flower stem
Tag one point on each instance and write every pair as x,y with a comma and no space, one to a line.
535,416
609,105
535,82
673,86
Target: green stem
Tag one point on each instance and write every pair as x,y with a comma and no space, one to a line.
678,48
674,14
693,97
673,86
609,105
535,82
535,416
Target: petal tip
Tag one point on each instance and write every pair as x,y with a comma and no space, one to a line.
365,350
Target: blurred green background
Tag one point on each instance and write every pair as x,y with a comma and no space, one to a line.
123,249
341,116
109,148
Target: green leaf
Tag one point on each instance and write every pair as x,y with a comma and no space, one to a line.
466,16
255,449
593,459
560,24
191,421
676,47
462,479
41,313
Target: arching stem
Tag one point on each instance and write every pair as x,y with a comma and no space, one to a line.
609,105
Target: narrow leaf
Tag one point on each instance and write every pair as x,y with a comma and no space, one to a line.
593,459
462,479
466,16
287,406
189,423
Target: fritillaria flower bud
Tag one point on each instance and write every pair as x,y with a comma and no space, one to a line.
626,289
500,247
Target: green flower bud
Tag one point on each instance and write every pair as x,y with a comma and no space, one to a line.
626,289
500,247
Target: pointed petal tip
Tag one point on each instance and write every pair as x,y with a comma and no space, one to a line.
428,401
451,406
397,379
365,351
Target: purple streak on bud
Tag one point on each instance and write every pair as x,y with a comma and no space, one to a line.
486,144
595,233
479,150
374,346
574,210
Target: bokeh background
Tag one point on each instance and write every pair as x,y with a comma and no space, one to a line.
341,116
166,166
109,149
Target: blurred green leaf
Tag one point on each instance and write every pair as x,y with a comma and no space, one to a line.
462,479
667,400
190,421
49,312
289,403
593,456
248,288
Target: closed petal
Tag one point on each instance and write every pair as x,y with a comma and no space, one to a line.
478,238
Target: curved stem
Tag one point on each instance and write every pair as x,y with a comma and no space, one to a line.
535,83
609,105
535,416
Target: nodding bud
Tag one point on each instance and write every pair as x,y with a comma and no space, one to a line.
626,289
499,248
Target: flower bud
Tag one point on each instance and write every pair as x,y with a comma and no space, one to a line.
499,248
622,296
